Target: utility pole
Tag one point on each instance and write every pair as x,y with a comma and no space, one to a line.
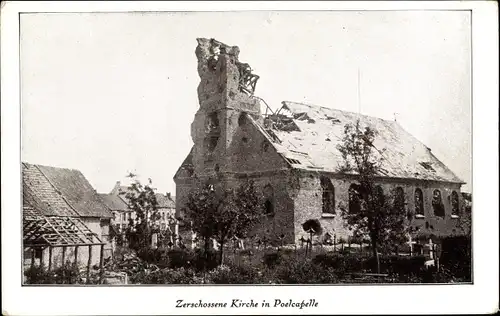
359,92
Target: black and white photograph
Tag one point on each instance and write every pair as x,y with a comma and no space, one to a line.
191,149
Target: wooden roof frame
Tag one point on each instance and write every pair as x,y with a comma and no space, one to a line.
57,231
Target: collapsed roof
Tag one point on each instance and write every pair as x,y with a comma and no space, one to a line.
307,136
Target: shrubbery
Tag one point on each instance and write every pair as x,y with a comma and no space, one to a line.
456,256
167,276
69,273
284,266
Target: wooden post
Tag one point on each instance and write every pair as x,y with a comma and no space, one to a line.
335,242
64,255
436,257
76,255
431,249
89,263
32,257
50,258
41,256
101,266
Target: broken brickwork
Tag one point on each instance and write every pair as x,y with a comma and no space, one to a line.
288,153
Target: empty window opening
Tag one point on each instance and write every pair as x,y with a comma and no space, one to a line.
354,198
210,144
328,195
242,120
437,203
269,196
269,207
419,202
454,203
212,122
399,200
244,139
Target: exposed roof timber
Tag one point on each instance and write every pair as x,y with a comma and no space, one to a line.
57,231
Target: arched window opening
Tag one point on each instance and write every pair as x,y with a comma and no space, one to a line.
242,120
454,203
437,203
399,199
419,202
212,123
328,191
354,199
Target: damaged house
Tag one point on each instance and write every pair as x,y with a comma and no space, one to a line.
292,156
64,219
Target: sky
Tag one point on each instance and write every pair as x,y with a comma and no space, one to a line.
110,93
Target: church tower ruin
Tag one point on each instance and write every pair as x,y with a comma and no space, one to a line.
225,94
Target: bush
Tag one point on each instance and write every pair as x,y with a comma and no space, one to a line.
272,259
202,261
304,271
154,256
235,274
342,263
167,276
178,258
38,275
456,256
68,273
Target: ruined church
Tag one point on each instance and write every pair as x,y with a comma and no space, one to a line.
292,157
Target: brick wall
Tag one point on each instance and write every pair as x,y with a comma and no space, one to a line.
308,205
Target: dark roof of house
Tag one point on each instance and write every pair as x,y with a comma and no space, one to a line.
64,192
114,202
40,197
164,201
307,137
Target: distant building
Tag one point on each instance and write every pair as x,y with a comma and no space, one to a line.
119,204
292,156
120,210
166,209
62,214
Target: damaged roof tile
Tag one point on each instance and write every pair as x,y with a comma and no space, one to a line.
403,156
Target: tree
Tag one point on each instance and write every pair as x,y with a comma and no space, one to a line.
465,219
223,215
142,201
376,215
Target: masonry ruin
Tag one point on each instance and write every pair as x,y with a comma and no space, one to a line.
291,156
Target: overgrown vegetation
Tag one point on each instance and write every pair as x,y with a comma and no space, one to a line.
293,267
69,273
